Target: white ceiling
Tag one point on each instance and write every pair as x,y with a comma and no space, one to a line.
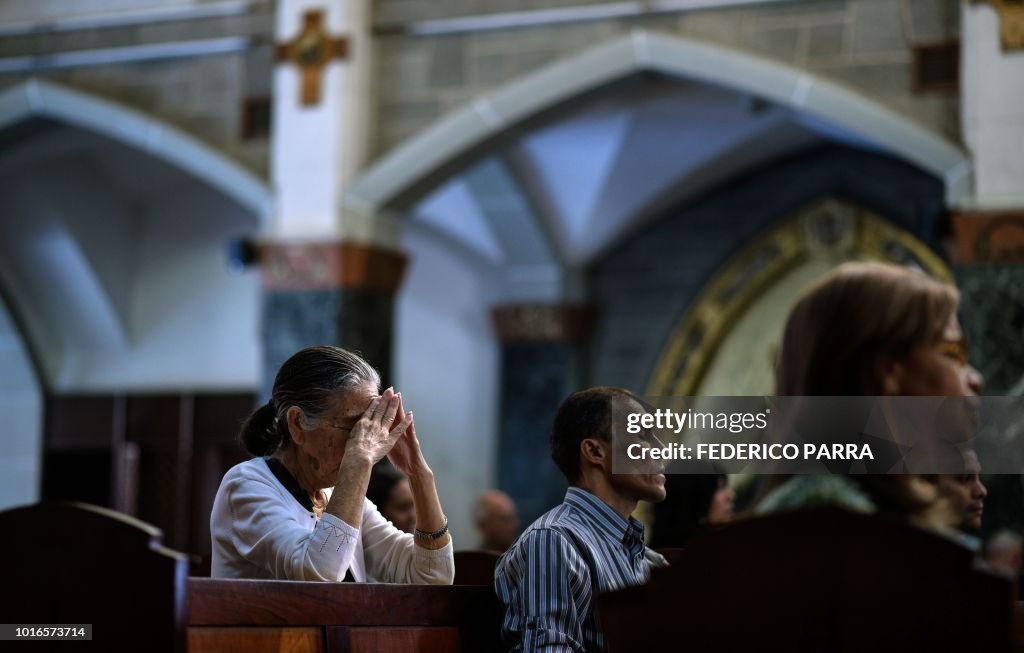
100,243
564,191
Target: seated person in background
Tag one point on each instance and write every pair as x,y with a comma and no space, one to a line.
549,579
497,520
871,329
298,511
693,503
1003,552
964,494
389,490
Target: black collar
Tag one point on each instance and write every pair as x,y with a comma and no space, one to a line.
288,481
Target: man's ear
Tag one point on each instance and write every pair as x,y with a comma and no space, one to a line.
595,452
294,415
889,373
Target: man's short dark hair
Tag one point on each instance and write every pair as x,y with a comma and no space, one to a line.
585,414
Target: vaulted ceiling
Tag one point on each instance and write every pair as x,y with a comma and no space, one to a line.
561,192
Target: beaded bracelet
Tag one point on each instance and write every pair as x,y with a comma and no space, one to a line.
436,535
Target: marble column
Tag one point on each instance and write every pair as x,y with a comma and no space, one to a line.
324,282
541,364
990,273
989,228
992,74
328,293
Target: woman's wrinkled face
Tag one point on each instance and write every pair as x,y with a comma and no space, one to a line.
937,370
323,447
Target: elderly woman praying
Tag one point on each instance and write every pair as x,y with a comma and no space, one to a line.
298,510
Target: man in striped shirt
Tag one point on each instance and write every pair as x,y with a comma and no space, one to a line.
548,581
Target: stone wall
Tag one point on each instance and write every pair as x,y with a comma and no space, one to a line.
202,95
864,44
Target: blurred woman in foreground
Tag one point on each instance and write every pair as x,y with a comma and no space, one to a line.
872,329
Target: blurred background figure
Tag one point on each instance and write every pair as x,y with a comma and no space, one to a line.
1003,552
964,494
497,520
694,503
389,490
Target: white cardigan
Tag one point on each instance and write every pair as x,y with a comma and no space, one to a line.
260,530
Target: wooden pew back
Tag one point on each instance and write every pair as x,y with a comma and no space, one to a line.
473,567
70,563
270,616
815,581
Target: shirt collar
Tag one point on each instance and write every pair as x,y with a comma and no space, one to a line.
605,520
285,478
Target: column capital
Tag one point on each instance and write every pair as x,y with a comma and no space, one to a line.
563,322
323,265
984,237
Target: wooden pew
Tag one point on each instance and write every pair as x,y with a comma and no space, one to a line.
78,564
815,581
475,567
71,563
236,616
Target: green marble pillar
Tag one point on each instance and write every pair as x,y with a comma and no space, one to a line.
990,273
328,293
540,366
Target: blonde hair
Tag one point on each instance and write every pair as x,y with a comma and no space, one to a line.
843,325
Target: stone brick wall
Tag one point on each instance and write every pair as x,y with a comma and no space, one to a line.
864,44
202,95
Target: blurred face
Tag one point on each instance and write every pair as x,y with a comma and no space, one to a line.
400,509
498,523
937,370
720,511
965,494
649,483
322,449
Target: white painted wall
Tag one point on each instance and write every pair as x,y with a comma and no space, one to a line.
993,120
447,368
193,324
21,404
119,293
316,148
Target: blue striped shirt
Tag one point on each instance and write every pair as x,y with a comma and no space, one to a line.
549,578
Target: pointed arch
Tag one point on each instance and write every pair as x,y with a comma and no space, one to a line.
404,174
38,98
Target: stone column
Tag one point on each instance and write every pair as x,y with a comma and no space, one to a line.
992,74
328,293
989,230
541,364
990,272
324,282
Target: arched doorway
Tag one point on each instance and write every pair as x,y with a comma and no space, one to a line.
726,342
